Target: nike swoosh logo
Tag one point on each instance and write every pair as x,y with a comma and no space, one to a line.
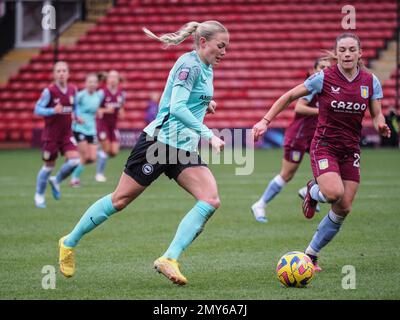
93,221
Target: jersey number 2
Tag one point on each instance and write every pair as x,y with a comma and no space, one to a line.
356,162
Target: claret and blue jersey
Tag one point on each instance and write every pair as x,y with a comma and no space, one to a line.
57,126
342,104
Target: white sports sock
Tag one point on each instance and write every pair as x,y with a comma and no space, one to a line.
316,194
311,251
335,218
279,181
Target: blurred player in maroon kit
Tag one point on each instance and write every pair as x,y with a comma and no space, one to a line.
56,105
298,138
107,132
345,91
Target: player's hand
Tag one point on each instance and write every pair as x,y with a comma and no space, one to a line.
217,144
100,113
384,130
58,108
121,113
79,120
259,129
211,107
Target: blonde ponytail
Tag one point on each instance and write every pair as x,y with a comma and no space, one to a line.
206,29
174,38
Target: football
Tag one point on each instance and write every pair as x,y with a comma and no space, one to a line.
295,269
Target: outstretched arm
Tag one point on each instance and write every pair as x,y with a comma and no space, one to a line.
293,94
304,109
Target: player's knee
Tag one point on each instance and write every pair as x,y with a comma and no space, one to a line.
119,202
287,176
74,162
342,209
50,164
333,195
90,160
345,211
214,201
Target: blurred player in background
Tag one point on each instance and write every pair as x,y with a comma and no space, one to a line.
152,107
175,132
298,138
344,91
56,105
88,102
107,132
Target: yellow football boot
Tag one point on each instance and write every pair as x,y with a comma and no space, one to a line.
66,259
170,269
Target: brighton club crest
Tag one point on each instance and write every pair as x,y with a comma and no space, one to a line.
364,92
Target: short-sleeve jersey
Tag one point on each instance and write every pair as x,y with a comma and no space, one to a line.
190,72
87,105
58,126
342,105
112,100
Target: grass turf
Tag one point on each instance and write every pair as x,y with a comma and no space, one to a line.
234,258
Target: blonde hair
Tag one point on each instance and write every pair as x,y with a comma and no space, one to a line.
92,74
206,29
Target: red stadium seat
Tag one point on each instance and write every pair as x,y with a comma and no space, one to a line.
273,45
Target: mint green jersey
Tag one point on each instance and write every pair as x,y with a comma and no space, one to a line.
86,108
183,104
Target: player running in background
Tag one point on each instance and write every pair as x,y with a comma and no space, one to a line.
56,105
172,138
88,102
345,91
298,138
107,132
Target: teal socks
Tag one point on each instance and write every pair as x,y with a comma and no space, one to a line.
78,171
189,228
98,212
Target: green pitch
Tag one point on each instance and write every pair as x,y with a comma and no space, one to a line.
234,258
